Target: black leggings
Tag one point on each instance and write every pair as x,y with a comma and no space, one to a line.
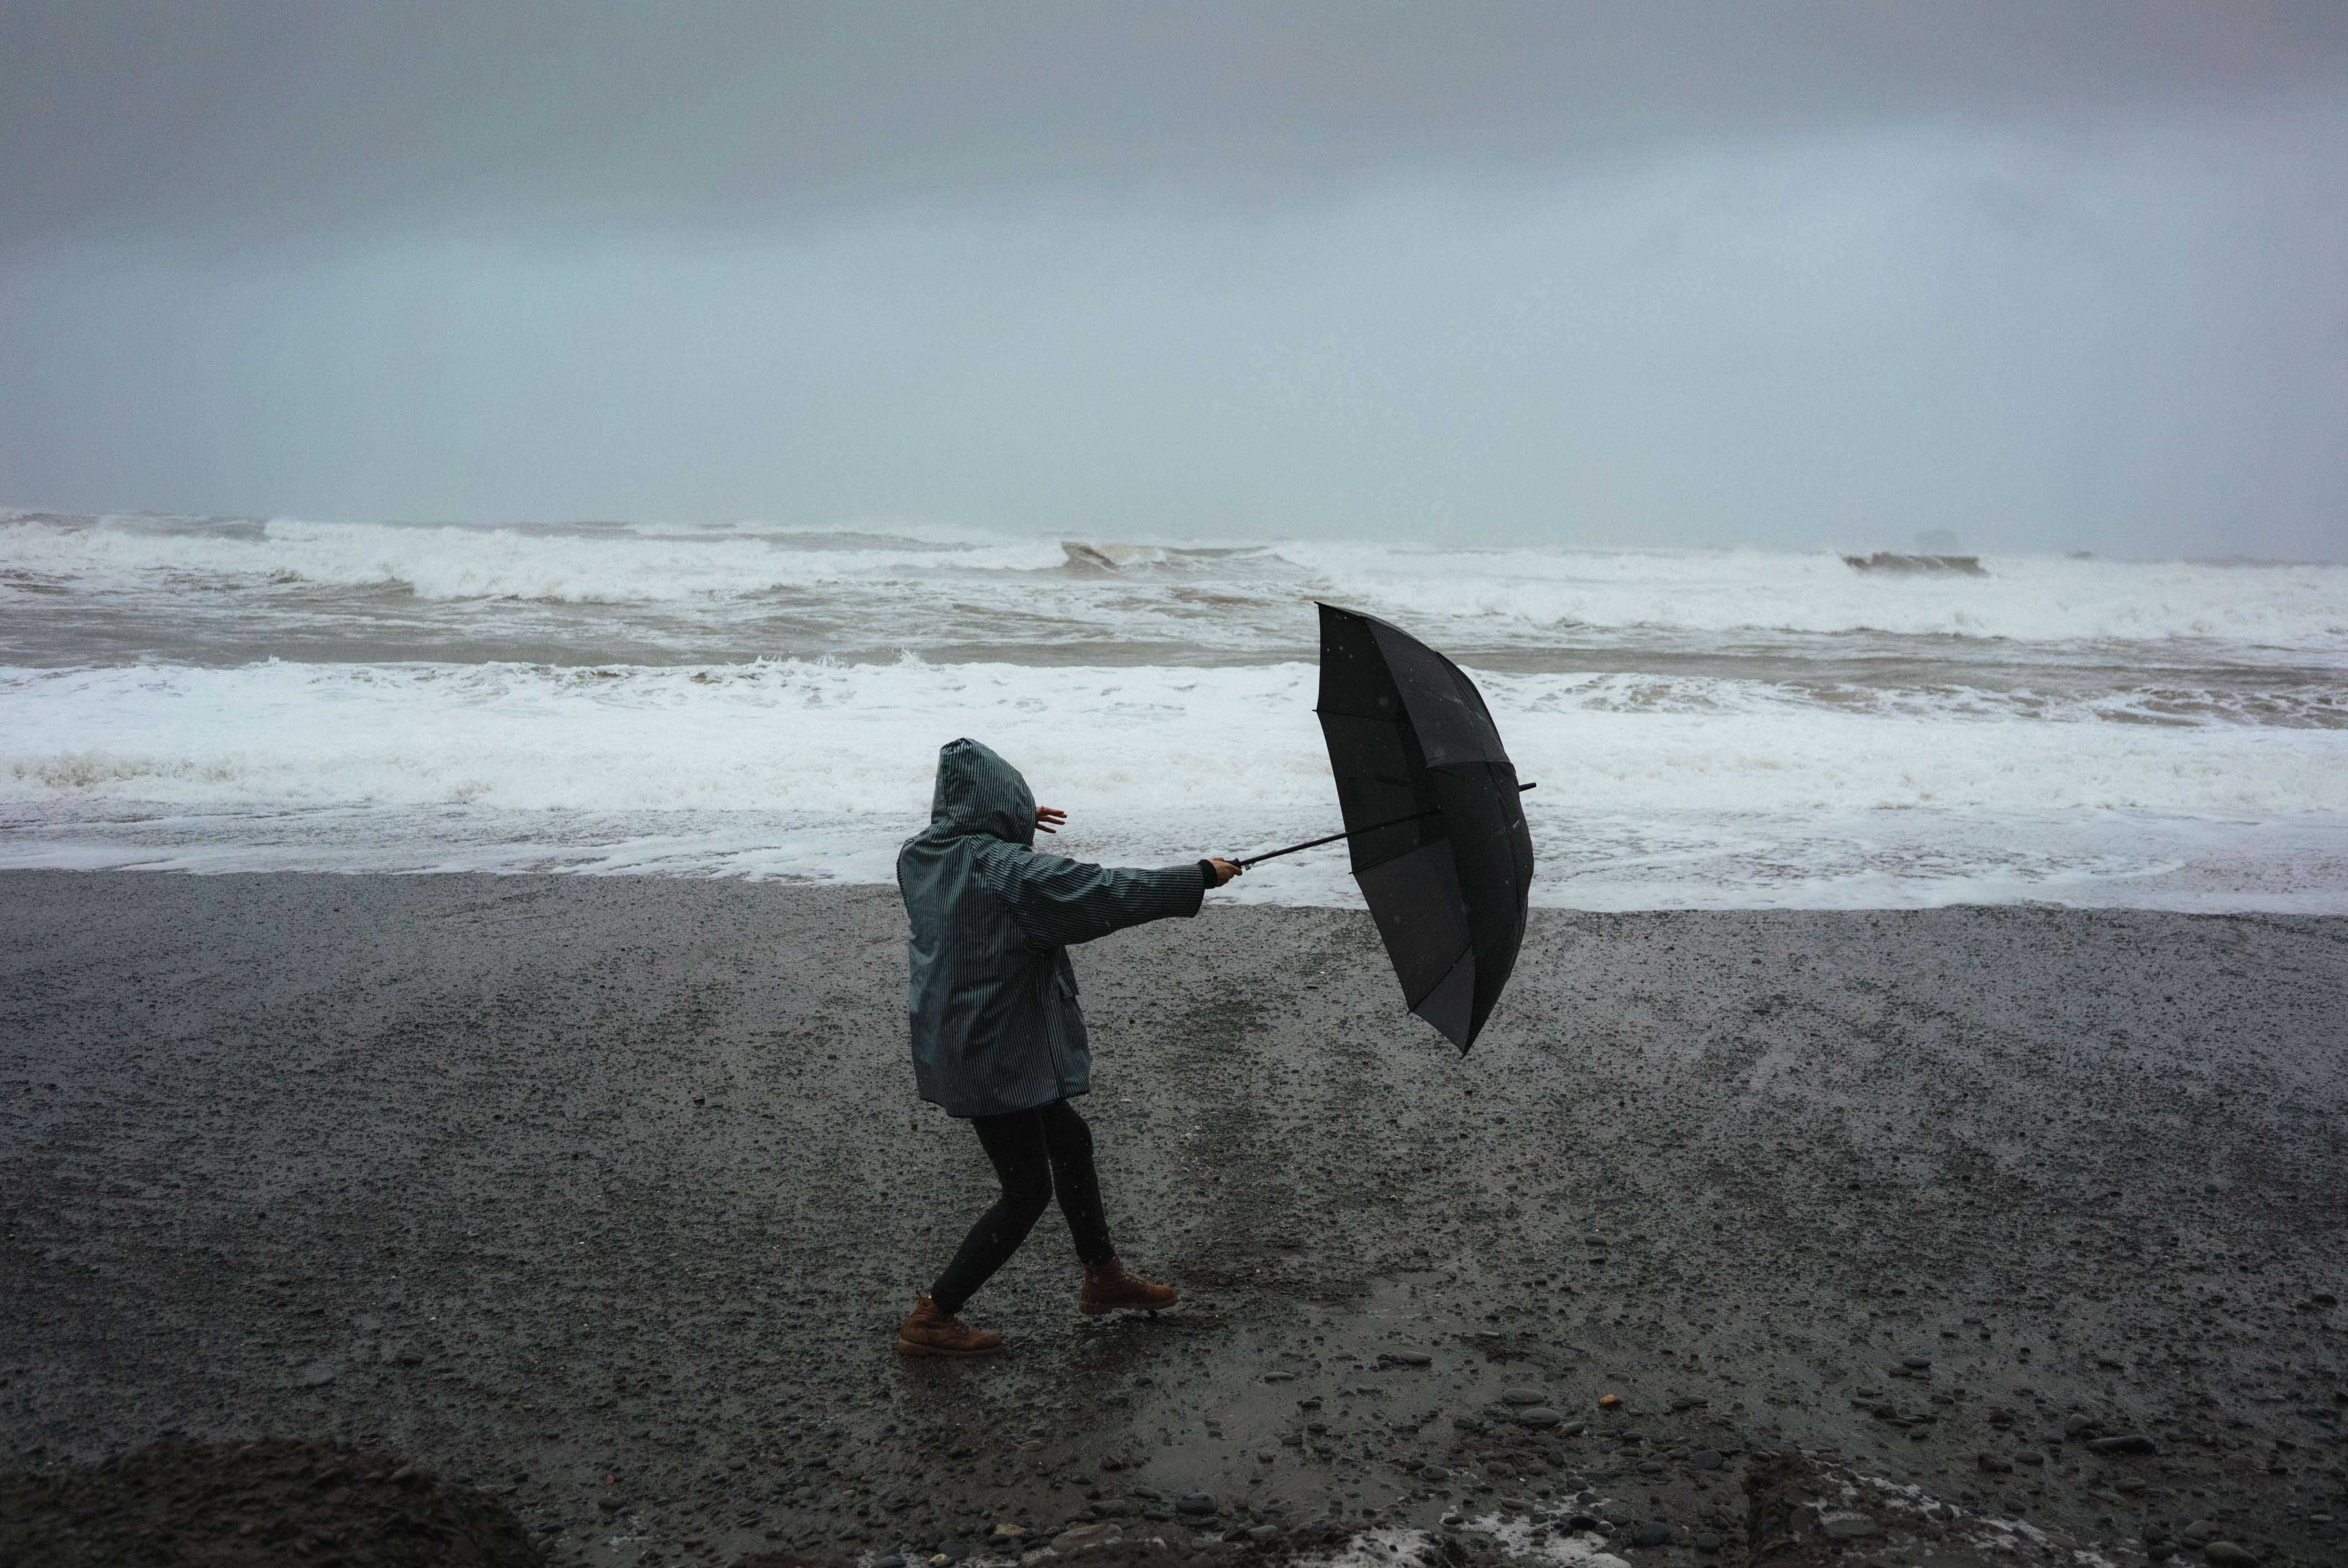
1033,1151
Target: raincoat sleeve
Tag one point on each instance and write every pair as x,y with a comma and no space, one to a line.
1058,903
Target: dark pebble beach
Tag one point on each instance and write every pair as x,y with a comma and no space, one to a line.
1740,1236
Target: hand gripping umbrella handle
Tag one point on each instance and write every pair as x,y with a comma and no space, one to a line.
1350,833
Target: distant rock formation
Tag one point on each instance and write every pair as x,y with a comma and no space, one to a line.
1885,560
1110,557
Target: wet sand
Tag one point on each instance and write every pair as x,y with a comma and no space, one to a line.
606,1194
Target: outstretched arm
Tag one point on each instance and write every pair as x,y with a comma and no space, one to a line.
1059,902
1218,870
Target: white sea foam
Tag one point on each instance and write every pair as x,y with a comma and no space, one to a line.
1709,728
861,738
1715,795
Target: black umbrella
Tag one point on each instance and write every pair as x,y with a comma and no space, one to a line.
1432,817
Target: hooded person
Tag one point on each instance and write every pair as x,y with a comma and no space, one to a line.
998,1038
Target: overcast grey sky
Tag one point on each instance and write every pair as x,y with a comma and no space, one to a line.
2050,275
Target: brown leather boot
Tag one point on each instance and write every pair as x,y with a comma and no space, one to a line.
1111,1287
930,1330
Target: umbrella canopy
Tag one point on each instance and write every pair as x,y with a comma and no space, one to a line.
1432,817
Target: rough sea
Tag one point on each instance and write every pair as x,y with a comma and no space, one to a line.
1709,729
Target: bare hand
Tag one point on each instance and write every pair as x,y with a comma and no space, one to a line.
1225,869
1048,819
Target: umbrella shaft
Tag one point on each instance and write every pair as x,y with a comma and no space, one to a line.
1350,833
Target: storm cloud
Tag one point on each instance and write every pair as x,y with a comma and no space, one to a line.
2048,275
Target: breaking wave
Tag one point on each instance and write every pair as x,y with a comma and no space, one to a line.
1708,728
1496,598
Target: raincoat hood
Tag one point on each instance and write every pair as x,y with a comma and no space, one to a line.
979,793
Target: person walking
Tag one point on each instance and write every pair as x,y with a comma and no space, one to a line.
998,1038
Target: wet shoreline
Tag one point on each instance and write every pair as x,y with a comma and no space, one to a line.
545,1180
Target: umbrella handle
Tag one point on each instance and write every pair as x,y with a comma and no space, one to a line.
1349,832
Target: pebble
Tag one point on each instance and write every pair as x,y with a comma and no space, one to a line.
1849,1526
2198,1532
1086,1535
2226,1554
1916,1363
316,1375
1407,1358
1520,1396
888,1560
1537,1416
1706,1540
1434,1474
2132,1443
1707,1458
1195,1503
955,1550
1651,1534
